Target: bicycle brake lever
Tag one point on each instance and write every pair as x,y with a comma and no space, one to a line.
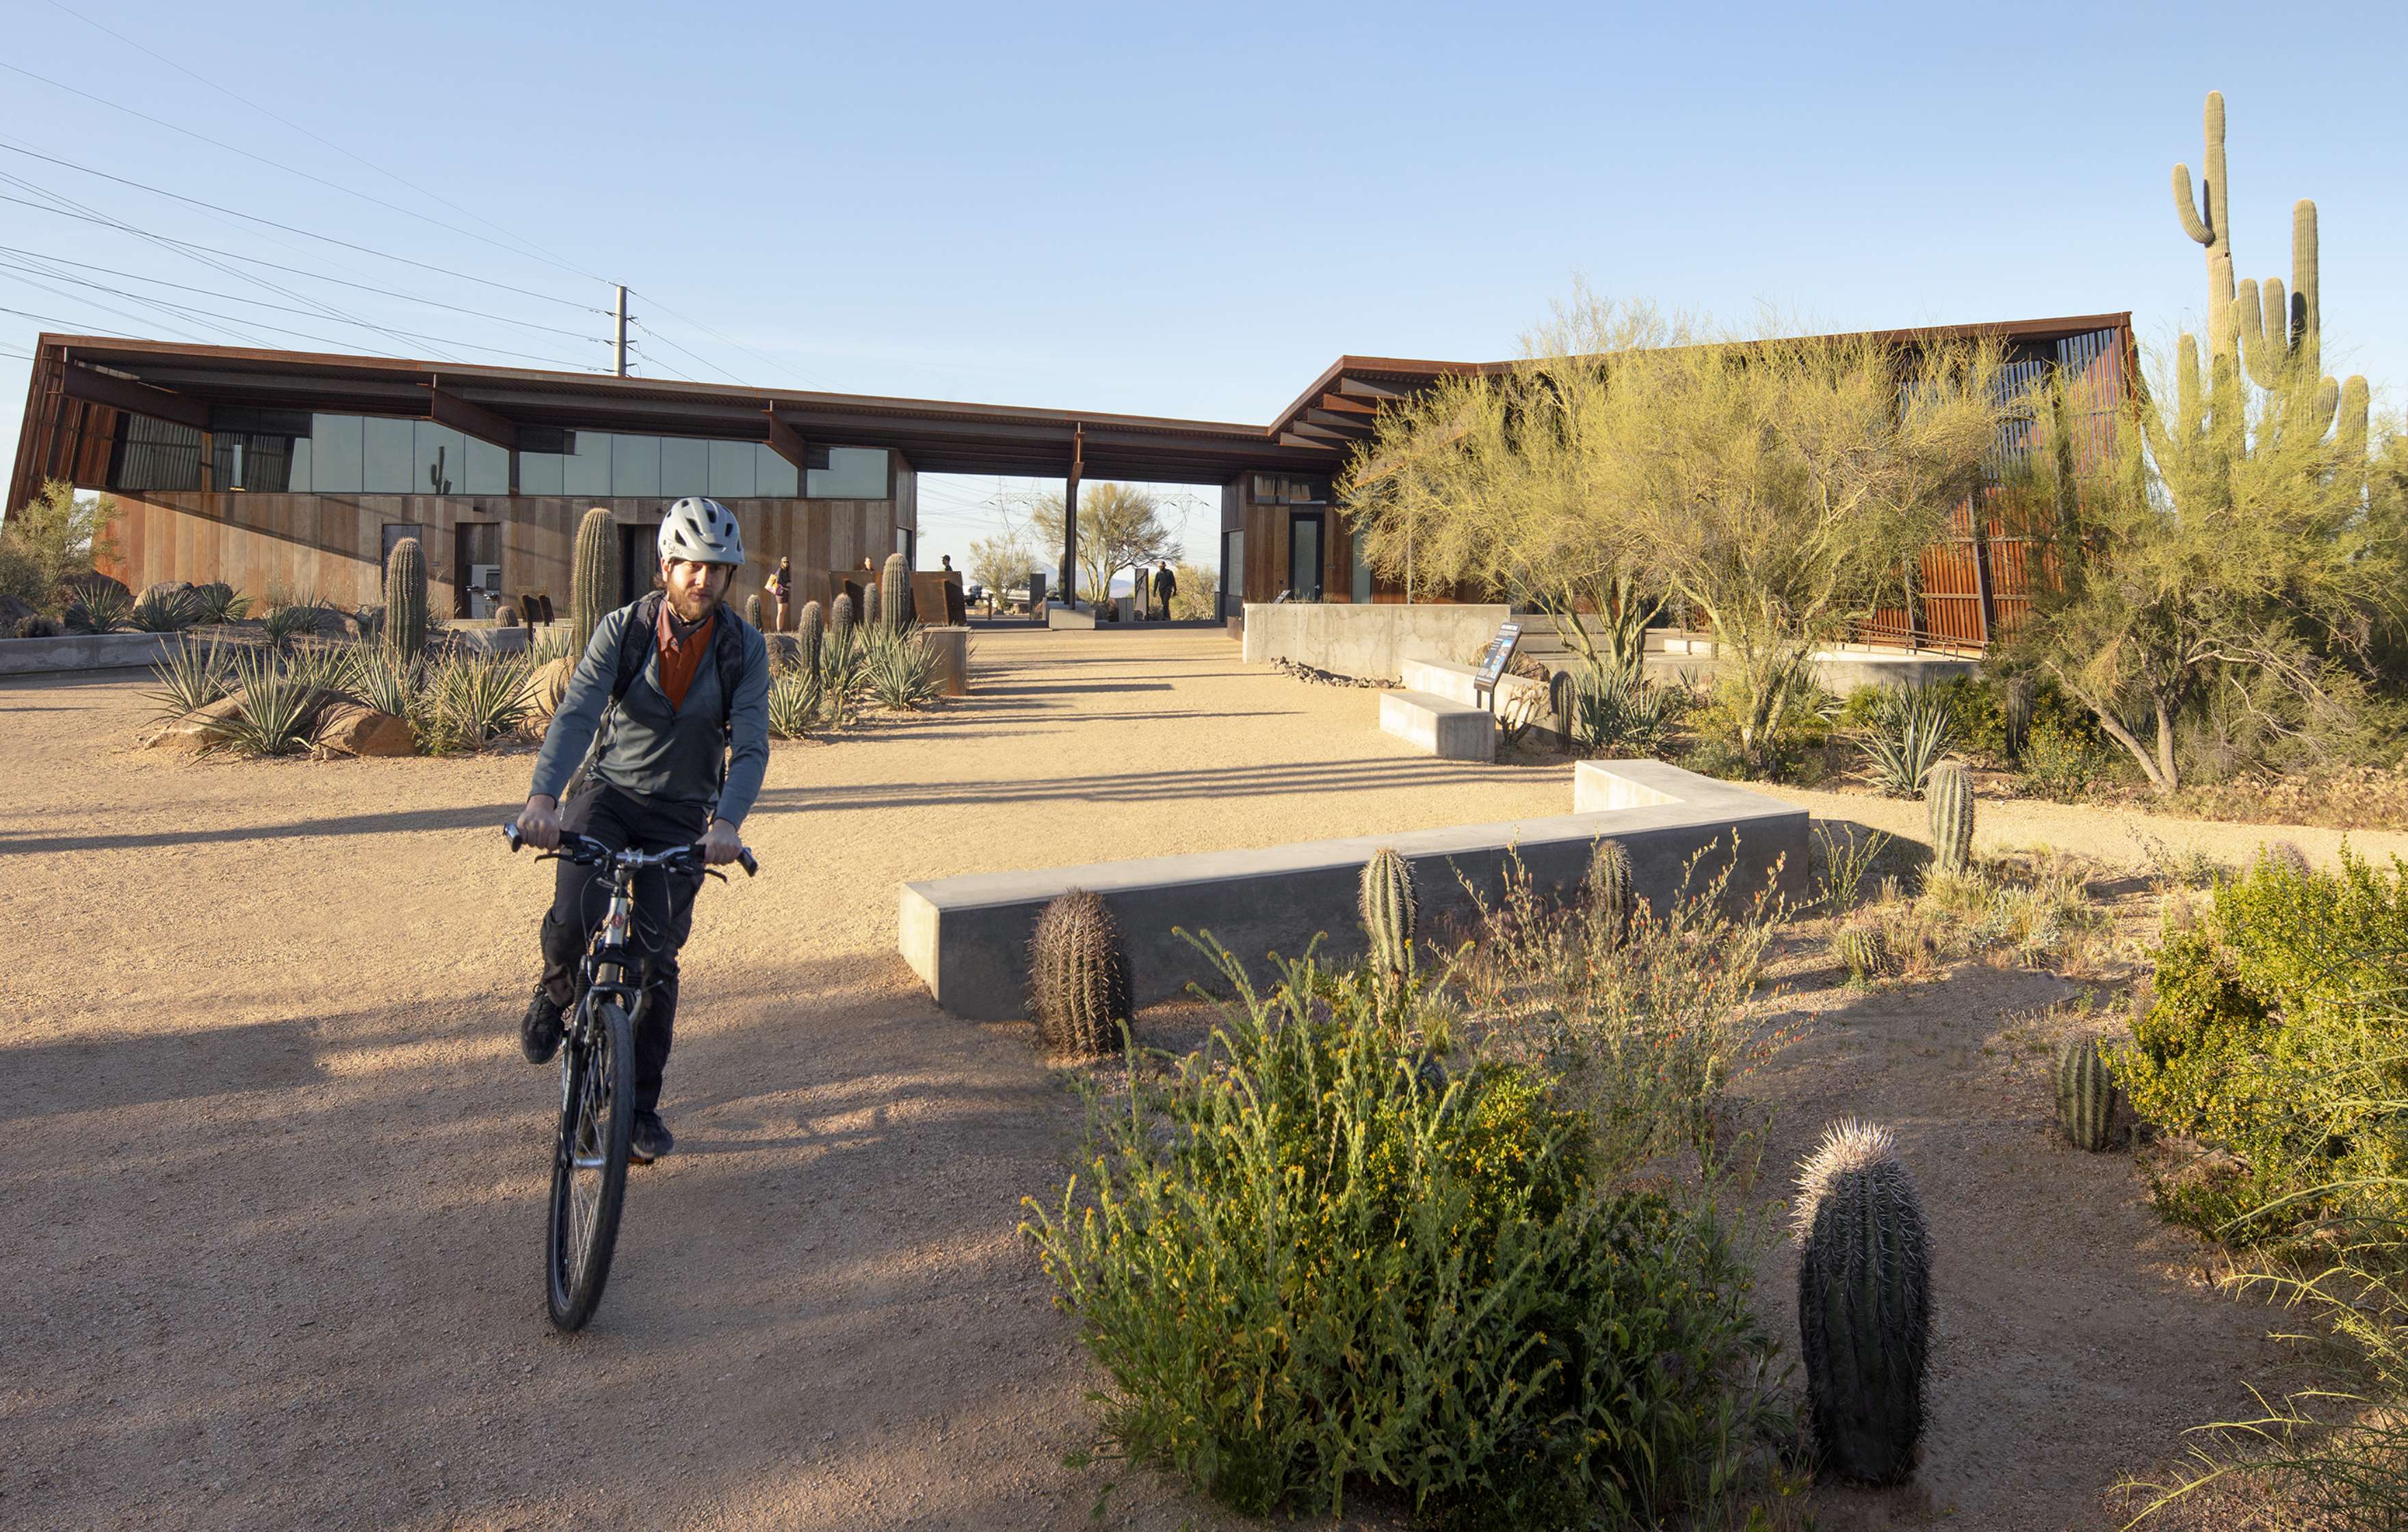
714,872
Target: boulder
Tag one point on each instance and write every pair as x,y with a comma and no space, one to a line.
13,611
198,730
348,729
71,589
170,590
544,686
367,624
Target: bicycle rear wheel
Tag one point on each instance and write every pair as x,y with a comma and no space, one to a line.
589,1165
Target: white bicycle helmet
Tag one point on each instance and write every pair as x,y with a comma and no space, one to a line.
701,531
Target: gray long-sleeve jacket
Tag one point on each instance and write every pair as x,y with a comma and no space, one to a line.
652,750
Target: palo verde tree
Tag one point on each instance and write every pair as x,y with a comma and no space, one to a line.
51,538
1120,527
2221,547
1777,487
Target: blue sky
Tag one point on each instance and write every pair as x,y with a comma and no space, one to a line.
1183,212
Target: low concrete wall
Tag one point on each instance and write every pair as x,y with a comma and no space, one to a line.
968,937
1372,641
82,652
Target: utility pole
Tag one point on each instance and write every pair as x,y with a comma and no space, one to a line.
619,347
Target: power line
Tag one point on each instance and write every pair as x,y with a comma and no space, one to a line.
190,311
748,351
297,271
235,297
94,329
528,245
699,361
324,307
278,164
269,222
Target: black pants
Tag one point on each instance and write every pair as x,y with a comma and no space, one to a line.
664,913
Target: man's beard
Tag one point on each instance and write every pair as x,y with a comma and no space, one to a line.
703,605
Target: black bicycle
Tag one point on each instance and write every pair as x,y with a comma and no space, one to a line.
597,1062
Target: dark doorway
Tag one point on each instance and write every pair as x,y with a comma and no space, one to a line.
1304,555
640,556
476,569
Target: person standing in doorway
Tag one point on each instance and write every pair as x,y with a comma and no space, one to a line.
781,587
1166,586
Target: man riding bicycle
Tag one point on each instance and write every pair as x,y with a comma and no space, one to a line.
685,683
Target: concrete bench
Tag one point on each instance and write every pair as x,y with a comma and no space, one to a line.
968,937
1450,730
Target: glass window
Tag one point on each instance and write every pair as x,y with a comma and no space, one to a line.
302,479
685,466
335,453
636,466
853,473
156,454
540,473
488,469
388,455
248,460
777,477
735,471
441,464
587,469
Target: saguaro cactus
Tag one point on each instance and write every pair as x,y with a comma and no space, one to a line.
1611,892
1864,1303
894,591
840,626
753,610
2087,1096
590,581
1077,975
1949,791
405,599
814,631
2208,220
1389,906
871,604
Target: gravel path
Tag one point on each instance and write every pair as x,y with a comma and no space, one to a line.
276,1169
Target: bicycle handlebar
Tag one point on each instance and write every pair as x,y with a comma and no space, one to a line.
590,853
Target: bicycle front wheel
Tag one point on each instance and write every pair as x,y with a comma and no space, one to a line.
589,1165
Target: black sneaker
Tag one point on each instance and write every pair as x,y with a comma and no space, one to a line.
539,1029
649,1140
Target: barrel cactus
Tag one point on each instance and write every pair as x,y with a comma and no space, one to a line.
591,578
1864,1303
2286,857
1388,905
1865,949
405,599
839,635
1077,977
894,591
1612,894
1949,792
2087,1099
753,610
814,632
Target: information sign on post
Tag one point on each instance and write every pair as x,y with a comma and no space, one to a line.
1493,661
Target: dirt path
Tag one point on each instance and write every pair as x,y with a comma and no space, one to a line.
276,1164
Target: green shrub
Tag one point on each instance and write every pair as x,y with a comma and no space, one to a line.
1716,749
2261,1042
1313,1266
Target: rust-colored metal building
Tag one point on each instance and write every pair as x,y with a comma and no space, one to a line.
296,471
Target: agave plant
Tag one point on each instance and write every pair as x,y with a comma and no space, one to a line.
795,696
471,699
898,668
218,602
322,667
99,608
842,681
1615,710
287,622
277,709
1909,736
190,678
383,680
165,611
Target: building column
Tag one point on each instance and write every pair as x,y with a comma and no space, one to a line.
1071,520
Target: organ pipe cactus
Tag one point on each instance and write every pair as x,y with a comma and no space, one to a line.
1388,905
1610,891
590,578
405,599
894,591
814,632
2086,1095
1077,977
841,624
1864,1303
1949,792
